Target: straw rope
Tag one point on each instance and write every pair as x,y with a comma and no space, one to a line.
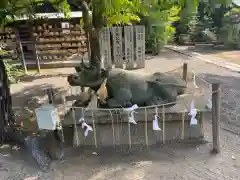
129,133
183,126
94,129
151,106
76,137
163,120
113,130
146,127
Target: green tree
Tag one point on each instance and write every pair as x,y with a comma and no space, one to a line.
107,13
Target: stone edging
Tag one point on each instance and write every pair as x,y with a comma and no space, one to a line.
231,66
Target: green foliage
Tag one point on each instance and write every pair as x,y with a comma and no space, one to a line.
121,11
62,6
10,9
13,71
159,14
209,16
158,19
160,25
230,32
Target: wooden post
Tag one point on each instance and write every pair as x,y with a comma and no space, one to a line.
185,69
21,51
33,39
50,95
56,133
36,57
216,105
83,89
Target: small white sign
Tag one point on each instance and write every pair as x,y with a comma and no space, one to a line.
47,117
65,26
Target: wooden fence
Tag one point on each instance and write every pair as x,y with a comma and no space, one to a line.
123,47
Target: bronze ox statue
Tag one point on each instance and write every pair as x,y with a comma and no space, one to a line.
126,88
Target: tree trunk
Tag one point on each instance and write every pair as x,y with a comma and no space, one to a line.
93,30
95,49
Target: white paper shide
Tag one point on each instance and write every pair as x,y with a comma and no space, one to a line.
155,121
131,113
85,126
155,124
193,113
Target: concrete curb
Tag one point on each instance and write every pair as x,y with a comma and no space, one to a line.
231,66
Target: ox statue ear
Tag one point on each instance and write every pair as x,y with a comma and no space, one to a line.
78,69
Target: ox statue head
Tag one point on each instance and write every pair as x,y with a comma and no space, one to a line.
87,76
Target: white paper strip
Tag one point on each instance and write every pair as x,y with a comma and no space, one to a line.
88,128
194,81
81,120
193,113
155,124
131,118
209,104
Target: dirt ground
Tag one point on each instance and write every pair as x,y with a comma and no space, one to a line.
218,53
231,56
170,162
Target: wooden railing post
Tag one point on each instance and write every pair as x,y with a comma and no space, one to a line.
185,69
56,137
50,95
216,106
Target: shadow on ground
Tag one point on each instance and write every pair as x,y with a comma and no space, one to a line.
28,95
17,153
96,157
30,78
169,55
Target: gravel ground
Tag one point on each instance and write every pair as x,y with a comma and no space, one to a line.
170,162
